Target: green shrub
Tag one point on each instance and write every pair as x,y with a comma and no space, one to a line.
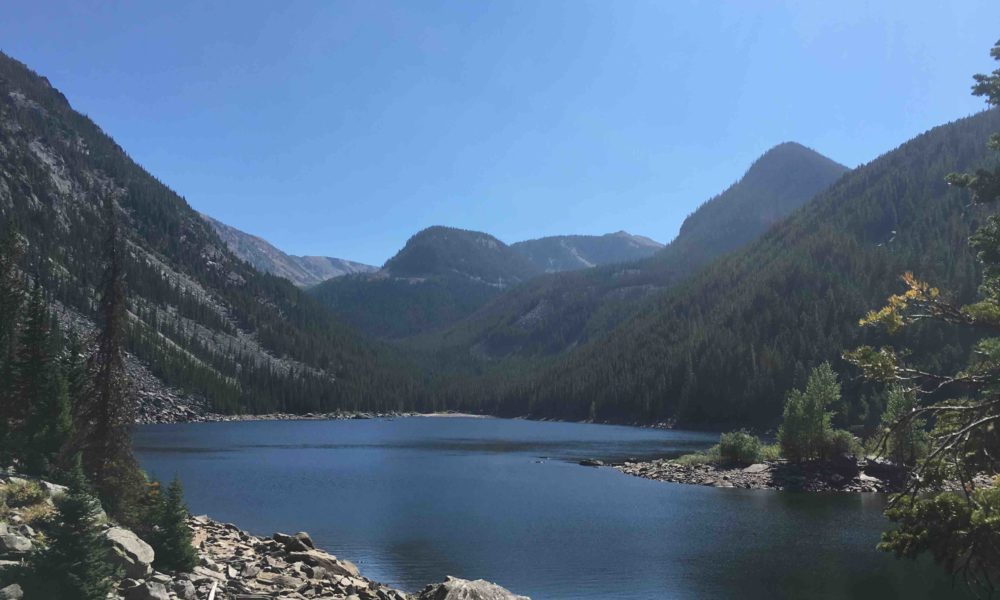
770,452
25,493
707,457
739,448
840,442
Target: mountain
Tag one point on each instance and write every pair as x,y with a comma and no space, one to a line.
472,255
572,252
441,275
727,344
203,322
303,271
554,313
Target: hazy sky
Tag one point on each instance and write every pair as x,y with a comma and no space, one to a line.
341,128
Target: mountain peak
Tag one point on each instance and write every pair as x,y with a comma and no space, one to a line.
441,250
779,181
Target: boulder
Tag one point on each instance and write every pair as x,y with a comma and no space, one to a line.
130,553
589,462
149,590
318,558
184,589
54,490
757,468
883,469
14,543
463,589
11,592
292,543
305,539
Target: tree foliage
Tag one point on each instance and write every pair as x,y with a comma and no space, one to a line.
172,540
951,509
75,561
805,429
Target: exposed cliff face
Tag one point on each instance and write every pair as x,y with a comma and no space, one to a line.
202,320
303,271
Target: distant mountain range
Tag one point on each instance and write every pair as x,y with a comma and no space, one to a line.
573,252
444,274
303,271
554,313
727,345
763,282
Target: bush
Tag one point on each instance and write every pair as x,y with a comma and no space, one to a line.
770,452
708,457
23,494
739,448
840,442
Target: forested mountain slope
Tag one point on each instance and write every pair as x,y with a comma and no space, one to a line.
729,343
202,320
554,313
303,271
559,253
441,275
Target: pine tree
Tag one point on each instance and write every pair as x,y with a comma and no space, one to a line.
40,389
75,563
107,412
174,551
11,300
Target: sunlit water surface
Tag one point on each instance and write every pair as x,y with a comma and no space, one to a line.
413,500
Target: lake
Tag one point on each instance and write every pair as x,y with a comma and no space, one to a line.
412,500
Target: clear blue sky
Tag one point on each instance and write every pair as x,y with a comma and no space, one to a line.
341,128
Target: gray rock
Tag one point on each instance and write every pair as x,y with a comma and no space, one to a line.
463,589
25,530
149,590
305,539
11,592
132,554
160,578
292,543
184,590
13,543
591,462
317,558
53,489
756,468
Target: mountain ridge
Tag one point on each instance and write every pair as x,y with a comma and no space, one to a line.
553,313
303,271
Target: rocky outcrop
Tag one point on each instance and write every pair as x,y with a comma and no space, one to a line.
243,566
131,554
463,589
842,475
233,565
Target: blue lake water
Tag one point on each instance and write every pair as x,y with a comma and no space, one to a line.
413,500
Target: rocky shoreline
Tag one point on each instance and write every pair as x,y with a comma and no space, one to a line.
845,475
233,565
186,414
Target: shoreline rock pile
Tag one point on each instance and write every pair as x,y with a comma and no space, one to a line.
834,476
245,567
233,564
